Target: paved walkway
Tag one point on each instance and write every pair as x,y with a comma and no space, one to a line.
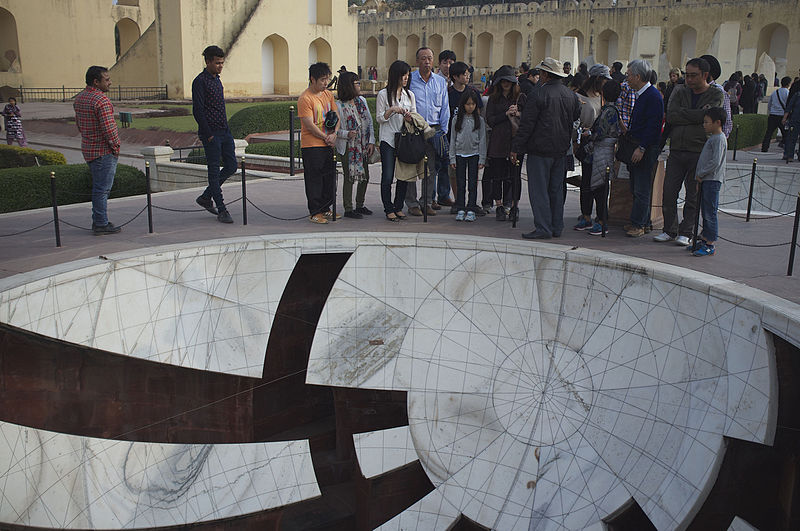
759,258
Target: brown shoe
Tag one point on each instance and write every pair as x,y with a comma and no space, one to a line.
415,211
431,211
329,215
318,218
446,202
435,206
635,232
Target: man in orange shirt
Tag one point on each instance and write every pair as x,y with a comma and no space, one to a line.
316,143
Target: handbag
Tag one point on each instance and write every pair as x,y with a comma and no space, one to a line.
331,119
625,148
409,145
583,151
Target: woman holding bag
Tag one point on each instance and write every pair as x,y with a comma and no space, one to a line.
394,105
355,143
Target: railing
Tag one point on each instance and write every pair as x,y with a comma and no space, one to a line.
64,93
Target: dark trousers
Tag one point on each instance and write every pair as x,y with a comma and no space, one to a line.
347,183
318,174
219,149
600,197
681,170
789,141
641,182
586,190
467,181
387,176
546,193
497,181
774,121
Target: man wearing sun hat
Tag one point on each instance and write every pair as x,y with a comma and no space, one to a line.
545,133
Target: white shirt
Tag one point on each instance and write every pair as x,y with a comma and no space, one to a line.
641,90
395,122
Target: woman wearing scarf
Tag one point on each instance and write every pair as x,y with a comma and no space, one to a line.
355,143
13,120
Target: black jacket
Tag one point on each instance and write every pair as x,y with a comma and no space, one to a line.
546,126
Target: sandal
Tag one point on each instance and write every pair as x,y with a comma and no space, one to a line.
393,217
400,215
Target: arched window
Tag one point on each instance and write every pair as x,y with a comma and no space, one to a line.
435,43
274,65
542,46
412,45
682,45
319,51
372,53
607,47
773,40
483,51
126,32
9,44
512,48
391,50
578,35
459,46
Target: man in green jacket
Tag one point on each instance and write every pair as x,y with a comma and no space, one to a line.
687,104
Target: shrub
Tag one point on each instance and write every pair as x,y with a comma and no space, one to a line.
272,116
748,130
27,188
275,149
18,157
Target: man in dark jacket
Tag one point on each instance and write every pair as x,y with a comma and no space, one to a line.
545,133
687,105
645,129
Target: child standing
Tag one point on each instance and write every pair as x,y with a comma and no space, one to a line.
710,174
467,153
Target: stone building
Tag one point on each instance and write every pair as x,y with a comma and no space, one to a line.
269,43
743,35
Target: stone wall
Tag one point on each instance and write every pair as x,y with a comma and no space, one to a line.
665,32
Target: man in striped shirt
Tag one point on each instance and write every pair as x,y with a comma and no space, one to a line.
94,116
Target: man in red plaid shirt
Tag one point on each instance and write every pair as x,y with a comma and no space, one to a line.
94,116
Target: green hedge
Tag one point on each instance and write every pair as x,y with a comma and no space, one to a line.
275,149
27,188
272,116
748,130
18,157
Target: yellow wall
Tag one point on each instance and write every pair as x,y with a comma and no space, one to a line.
59,39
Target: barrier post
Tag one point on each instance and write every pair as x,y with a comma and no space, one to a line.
335,185
604,221
516,187
794,237
735,139
55,207
244,194
425,191
63,94
697,217
750,194
149,197
291,140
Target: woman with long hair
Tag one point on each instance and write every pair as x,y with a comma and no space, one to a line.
590,96
504,105
395,103
355,142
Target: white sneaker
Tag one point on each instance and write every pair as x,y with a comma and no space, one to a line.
683,240
663,237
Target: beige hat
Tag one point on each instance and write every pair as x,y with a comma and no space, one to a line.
552,66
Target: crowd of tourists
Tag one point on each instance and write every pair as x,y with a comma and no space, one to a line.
437,130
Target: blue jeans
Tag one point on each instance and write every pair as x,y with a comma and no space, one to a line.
708,208
103,170
219,148
641,182
467,179
387,176
546,193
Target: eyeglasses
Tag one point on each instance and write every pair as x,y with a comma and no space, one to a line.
356,82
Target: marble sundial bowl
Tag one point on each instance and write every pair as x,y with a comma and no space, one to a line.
546,387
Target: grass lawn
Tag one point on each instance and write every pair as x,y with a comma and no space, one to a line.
181,124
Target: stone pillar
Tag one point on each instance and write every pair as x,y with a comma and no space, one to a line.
647,45
239,145
568,51
156,155
724,46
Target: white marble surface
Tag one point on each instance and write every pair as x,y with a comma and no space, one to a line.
65,481
546,386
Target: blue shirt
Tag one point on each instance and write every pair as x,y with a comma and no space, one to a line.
208,104
431,97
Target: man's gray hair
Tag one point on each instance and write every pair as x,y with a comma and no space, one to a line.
641,68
